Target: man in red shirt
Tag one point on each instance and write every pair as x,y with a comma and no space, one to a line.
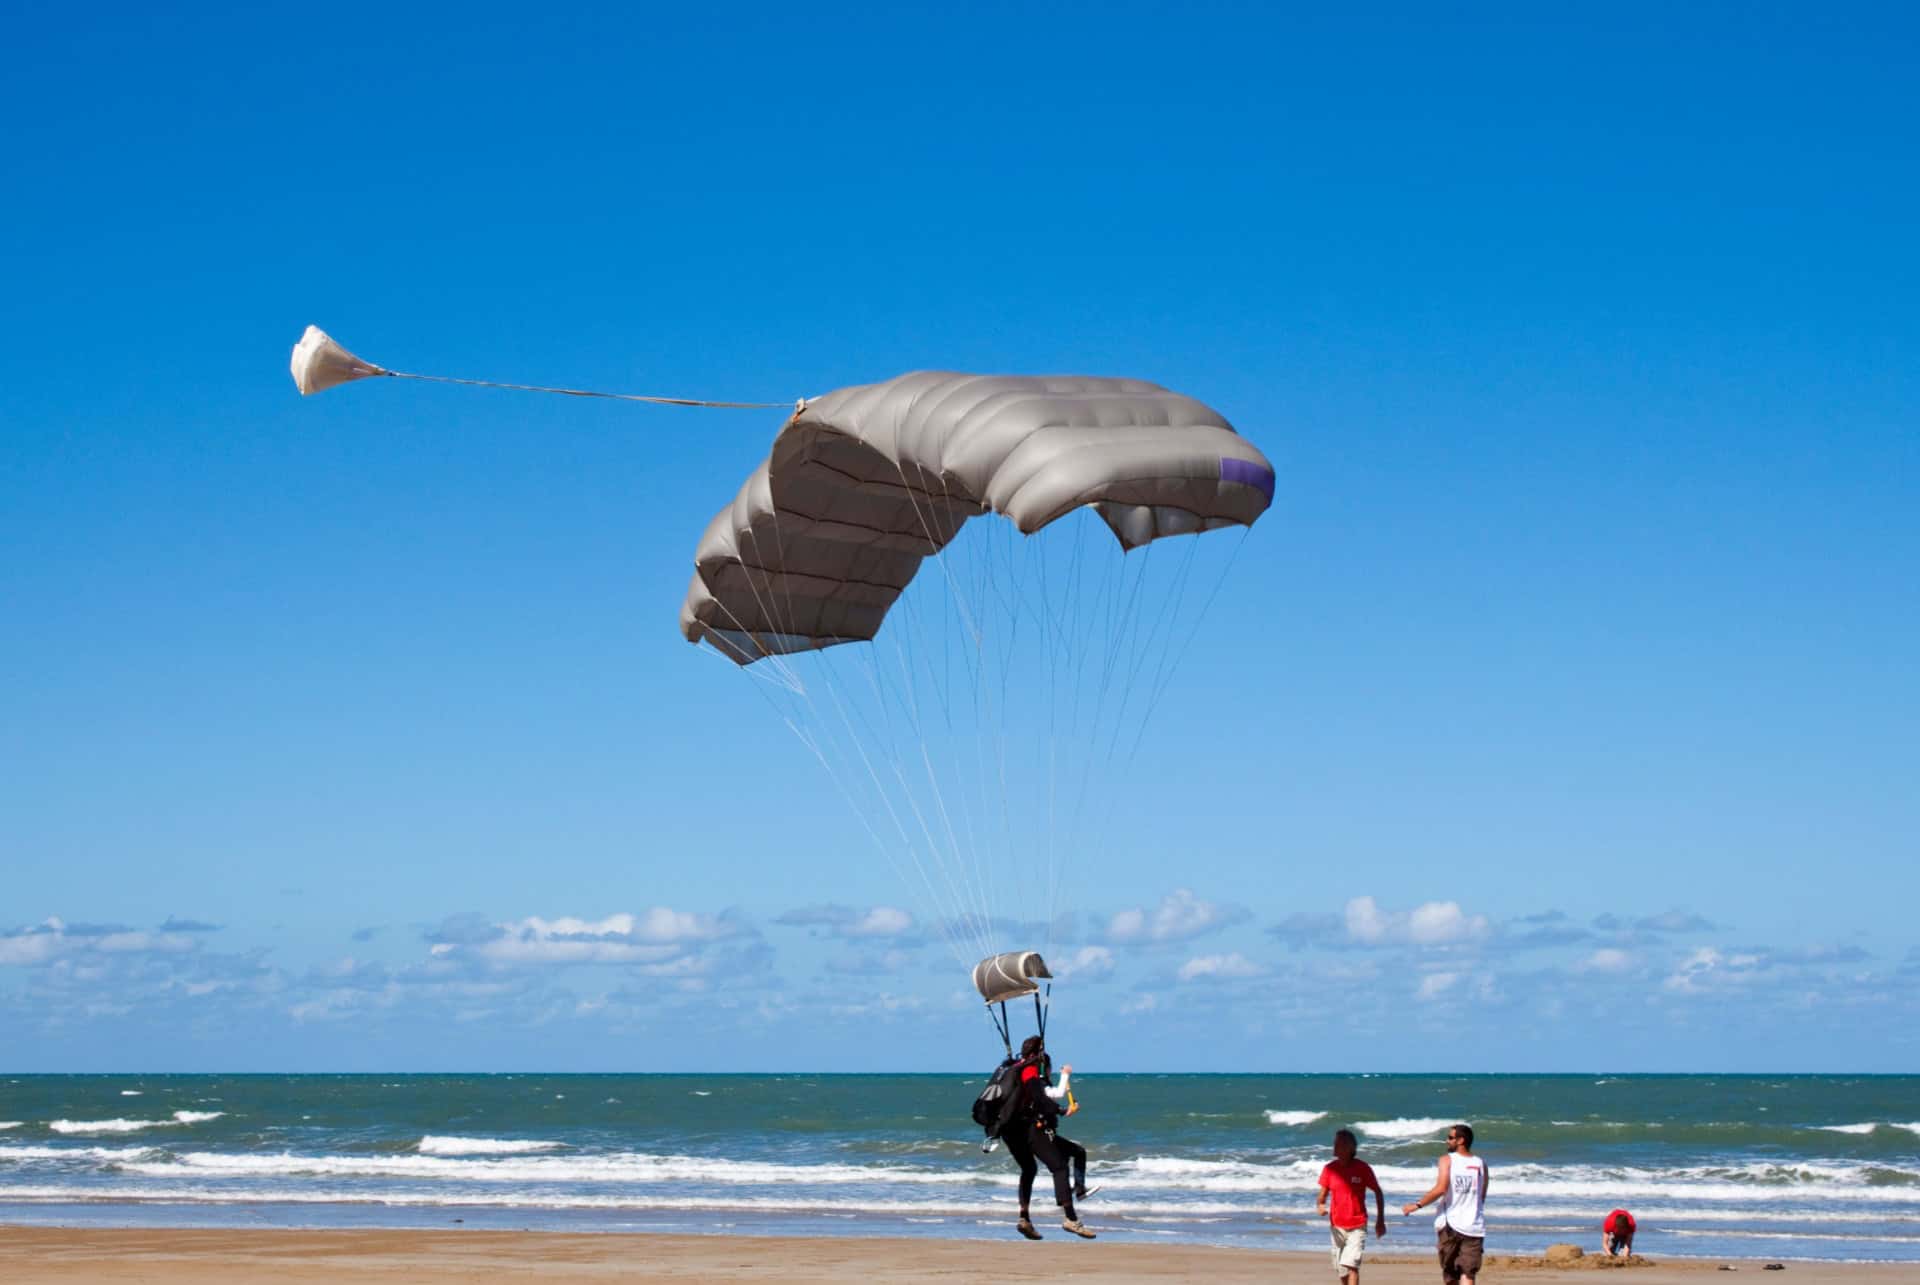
1616,1233
1346,1182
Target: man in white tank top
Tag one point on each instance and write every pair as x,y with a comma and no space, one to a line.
1460,1190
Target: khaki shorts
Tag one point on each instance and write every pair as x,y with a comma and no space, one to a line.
1349,1244
1459,1255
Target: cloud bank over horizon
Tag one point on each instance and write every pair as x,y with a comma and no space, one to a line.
1369,975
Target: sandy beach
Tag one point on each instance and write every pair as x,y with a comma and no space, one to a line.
29,1255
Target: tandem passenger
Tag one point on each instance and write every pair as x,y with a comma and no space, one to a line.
1460,1188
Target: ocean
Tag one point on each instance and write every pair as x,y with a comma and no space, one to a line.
1772,1166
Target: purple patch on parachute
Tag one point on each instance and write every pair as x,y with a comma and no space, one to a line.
1249,474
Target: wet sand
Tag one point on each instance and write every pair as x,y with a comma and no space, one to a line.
29,1255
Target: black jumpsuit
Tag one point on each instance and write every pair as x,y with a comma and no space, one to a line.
1032,1141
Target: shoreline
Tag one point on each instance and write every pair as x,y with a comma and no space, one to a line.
46,1255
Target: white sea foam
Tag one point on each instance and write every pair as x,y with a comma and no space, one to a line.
434,1145
104,1126
109,1154
1418,1127
132,1126
1742,1184
1294,1119
618,1167
10,1124
1868,1127
129,1093
1911,1126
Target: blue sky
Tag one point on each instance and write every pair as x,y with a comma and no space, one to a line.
1561,714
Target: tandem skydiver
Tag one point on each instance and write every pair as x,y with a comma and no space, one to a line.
1032,1137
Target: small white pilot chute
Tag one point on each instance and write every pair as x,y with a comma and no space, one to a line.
1002,977
319,363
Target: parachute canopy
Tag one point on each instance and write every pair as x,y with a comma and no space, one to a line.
865,482
319,363
1003,977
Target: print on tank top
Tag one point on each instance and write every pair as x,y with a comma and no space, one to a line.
1466,1202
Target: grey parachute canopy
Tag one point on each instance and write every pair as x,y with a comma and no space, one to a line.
999,978
865,482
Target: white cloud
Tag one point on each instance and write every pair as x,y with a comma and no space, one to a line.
1693,972
1432,923
1180,916
1233,964
1434,985
24,948
1606,960
867,962
1706,969
55,938
878,922
881,1007
654,937
1089,963
882,921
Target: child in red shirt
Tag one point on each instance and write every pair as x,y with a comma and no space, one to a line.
1616,1233
1347,1181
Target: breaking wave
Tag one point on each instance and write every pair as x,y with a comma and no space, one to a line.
104,1126
132,1126
1418,1127
435,1145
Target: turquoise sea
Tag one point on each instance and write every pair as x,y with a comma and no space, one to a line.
1768,1166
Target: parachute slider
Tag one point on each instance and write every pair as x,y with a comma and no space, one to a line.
320,363
1000,978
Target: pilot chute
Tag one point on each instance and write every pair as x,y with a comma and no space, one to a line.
1011,975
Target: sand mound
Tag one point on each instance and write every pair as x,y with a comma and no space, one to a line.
1564,1258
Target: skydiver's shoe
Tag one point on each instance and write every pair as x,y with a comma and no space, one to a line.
1025,1228
1077,1227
